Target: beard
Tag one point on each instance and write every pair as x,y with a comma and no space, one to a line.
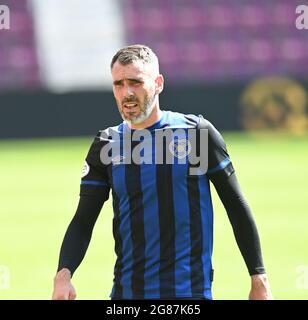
145,109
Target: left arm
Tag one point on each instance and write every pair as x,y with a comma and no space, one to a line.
221,173
245,231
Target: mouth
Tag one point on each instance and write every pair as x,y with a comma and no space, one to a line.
130,107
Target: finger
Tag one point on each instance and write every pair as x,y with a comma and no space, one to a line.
72,296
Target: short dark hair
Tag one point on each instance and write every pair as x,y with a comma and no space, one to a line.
129,54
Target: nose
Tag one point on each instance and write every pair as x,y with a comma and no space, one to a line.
129,91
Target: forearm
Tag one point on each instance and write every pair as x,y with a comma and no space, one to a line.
74,246
79,232
242,221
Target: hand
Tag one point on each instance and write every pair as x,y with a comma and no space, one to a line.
260,289
63,289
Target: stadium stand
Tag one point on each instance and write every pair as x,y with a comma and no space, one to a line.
216,41
209,41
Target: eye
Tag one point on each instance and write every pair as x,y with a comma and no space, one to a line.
118,83
136,82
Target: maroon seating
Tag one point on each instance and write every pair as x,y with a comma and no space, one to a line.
18,58
215,40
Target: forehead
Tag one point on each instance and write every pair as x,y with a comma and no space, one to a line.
134,69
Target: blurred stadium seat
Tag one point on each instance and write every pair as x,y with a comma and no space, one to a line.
18,54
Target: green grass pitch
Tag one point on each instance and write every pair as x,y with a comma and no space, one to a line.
39,193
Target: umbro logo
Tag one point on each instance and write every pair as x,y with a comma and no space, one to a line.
117,160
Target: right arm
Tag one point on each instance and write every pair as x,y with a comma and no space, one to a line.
94,191
75,245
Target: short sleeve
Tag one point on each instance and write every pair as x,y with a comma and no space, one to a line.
94,180
218,158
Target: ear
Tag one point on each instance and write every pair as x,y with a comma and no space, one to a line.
159,84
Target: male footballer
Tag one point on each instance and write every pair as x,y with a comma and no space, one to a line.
163,215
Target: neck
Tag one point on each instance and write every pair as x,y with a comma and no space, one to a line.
154,117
